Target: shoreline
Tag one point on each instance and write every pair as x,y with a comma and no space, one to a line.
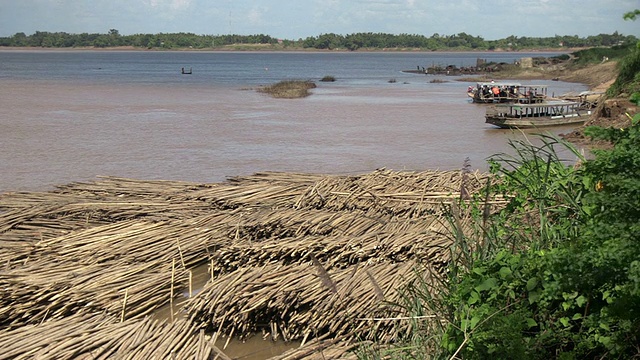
251,48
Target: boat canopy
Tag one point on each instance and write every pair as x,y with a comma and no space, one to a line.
494,83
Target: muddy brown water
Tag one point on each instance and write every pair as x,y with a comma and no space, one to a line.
59,132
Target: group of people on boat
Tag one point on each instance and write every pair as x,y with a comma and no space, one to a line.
491,92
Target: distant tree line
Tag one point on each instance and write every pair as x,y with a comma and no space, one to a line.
113,39
459,41
329,41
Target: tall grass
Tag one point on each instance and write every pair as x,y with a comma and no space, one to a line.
542,191
628,80
595,55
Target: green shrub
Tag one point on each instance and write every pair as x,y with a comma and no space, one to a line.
578,295
628,80
328,78
596,54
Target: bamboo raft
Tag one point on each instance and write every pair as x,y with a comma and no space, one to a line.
310,258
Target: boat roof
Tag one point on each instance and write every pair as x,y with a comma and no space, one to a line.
500,83
503,83
541,104
588,92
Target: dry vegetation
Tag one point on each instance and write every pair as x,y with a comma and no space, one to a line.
289,89
301,257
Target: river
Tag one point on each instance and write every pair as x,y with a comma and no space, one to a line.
74,115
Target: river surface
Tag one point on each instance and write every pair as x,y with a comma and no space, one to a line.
73,115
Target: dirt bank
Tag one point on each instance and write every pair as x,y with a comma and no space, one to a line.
597,77
610,113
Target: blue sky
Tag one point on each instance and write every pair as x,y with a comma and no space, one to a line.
288,19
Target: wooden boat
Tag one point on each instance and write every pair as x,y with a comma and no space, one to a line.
548,113
506,92
587,99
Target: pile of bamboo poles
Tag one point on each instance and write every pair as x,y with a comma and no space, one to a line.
295,256
301,301
98,337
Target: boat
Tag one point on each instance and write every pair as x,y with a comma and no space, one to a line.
548,113
588,99
187,72
506,92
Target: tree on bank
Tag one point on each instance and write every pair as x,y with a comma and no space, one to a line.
331,41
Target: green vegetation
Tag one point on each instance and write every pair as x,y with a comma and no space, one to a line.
596,55
144,41
461,41
555,273
457,41
628,81
289,89
328,78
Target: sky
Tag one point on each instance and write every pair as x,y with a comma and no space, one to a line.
292,20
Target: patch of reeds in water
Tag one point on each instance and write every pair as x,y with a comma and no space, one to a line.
289,89
295,256
328,78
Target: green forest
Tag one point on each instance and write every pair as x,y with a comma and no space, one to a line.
331,41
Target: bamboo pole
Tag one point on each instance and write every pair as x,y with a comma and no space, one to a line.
124,304
173,276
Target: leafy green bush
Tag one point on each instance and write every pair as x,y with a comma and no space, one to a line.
596,54
556,273
628,80
328,78
577,296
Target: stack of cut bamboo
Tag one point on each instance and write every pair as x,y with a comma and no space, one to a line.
296,256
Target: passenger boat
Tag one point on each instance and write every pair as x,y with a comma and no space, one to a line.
587,99
506,92
549,113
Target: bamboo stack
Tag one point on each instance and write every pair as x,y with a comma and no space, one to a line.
295,256
98,337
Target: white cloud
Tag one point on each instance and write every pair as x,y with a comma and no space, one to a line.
256,15
302,18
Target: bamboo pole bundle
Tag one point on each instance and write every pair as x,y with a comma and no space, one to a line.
98,337
297,299
111,186
34,296
336,250
321,349
276,176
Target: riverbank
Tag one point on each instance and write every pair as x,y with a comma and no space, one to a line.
598,77
281,48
